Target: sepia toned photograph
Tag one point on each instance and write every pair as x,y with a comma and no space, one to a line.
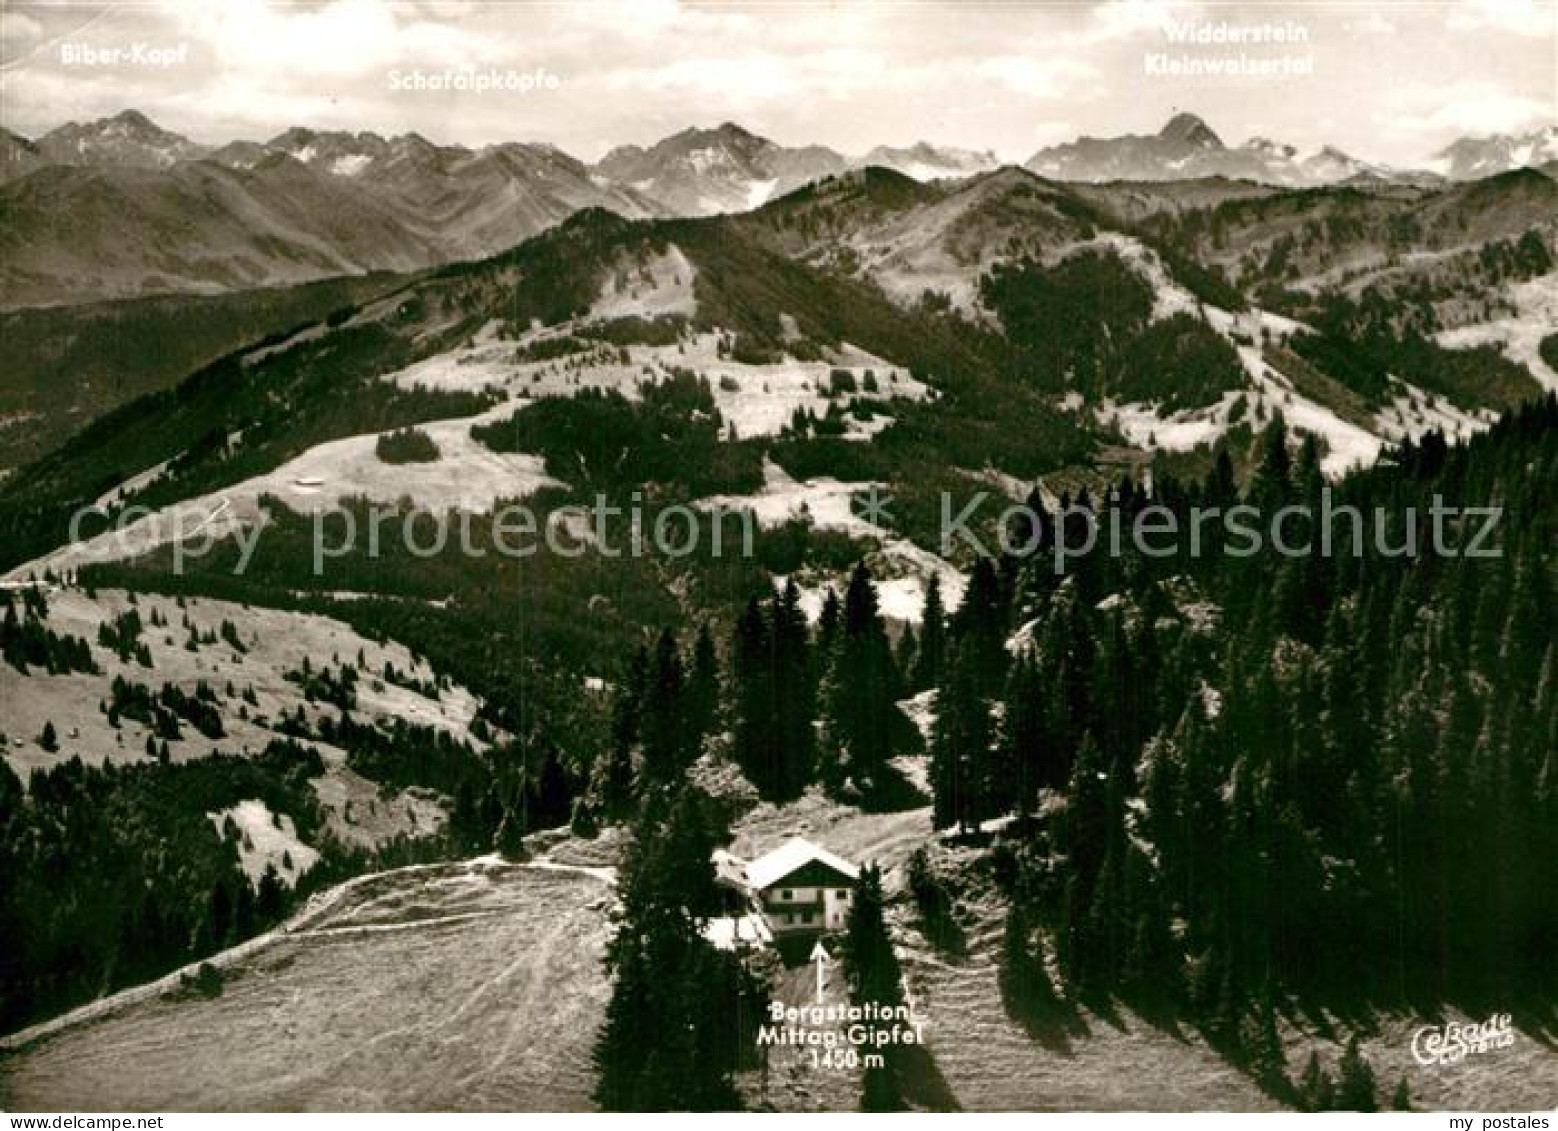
789,556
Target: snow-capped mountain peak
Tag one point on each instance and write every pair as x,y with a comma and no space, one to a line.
1469,158
129,138
727,168
926,162
1189,130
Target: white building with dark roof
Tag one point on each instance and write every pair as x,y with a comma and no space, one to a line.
802,887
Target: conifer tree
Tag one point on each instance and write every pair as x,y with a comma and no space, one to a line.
614,774
864,724
1355,1088
874,977
962,759
752,695
905,654
1024,751
667,745
795,694
679,1022
774,696
828,622
1317,1092
703,686
933,638
979,625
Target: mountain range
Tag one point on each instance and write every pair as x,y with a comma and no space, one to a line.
1470,158
122,208
1187,148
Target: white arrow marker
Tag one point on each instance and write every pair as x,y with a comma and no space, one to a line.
820,955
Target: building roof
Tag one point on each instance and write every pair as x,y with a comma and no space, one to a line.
790,856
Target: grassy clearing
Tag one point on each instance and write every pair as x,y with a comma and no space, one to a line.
452,987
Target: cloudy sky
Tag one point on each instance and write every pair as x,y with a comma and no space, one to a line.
1387,81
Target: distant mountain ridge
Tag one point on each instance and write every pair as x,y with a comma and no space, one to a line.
728,169
120,207
1187,148
728,157
1472,158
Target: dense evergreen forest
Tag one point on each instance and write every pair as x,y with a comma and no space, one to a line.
1344,788
1240,786
113,875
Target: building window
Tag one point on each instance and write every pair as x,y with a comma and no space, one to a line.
842,893
787,894
805,916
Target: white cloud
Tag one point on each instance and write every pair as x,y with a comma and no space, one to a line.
1122,19
343,38
18,32
748,79
1052,132
1372,24
1532,18
846,72
1052,77
1466,108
